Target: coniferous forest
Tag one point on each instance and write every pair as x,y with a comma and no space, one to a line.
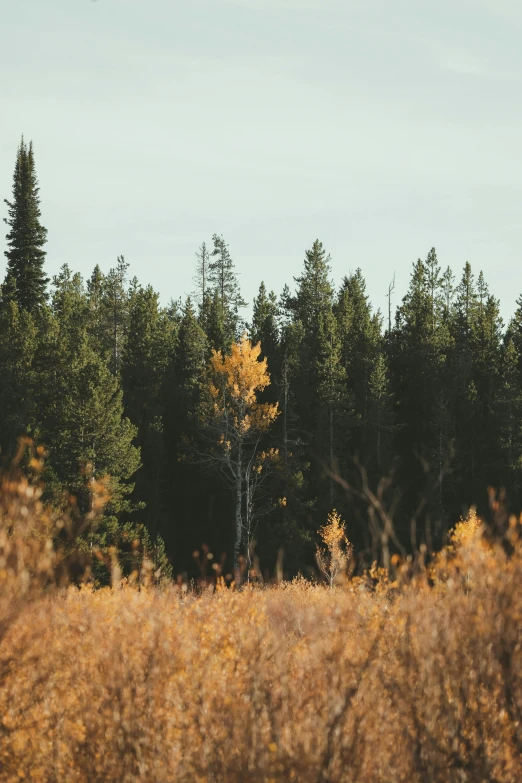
269,549
416,410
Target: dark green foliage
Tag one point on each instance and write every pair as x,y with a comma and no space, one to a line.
508,414
214,322
25,279
201,278
112,383
80,419
18,344
225,295
265,326
418,351
182,393
184,382
114,308
314,289
361,345
145,359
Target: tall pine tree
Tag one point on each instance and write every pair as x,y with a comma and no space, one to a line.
223,282
25,277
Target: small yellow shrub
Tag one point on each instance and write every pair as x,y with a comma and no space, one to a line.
334,557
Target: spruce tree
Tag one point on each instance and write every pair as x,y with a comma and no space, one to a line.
486,352
27,236
265,327
94,291
185,374
448,293
81,421
509,417
191,491
223,282
474,386
146,355
18,344
317,378
114,313
360,335
514,331
215,322
381,417
69,303
418,352
314,289
331,392
311,304
201,277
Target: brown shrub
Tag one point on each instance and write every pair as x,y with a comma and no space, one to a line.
417,680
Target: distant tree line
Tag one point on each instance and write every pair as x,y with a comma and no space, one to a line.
420,417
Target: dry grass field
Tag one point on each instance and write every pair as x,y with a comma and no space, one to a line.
413,676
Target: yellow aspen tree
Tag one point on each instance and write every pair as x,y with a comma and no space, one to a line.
239,422
333,558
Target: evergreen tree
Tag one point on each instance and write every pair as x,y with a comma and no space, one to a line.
26,237
145,361
291,345
184,382
285,306
509,416
114,306
265,330
475,372
69,303
314,289
381,419
18,344
215,322
514,331
95,289
81,421
418,352
201,278
223,282
265,327
331,390
310,307
360,335
448,293
191,492
316,375
434,283
486,352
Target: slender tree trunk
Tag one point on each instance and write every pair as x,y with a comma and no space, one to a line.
441,424
156,502
379,436
331,428
115,338
385,543
285,413
248,522
237,542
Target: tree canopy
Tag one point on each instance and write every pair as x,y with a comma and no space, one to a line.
310,406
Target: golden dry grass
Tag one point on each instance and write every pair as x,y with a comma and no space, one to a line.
417,680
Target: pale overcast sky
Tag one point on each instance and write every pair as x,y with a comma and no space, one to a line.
381,127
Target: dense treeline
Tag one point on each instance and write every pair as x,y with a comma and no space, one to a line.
420,414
